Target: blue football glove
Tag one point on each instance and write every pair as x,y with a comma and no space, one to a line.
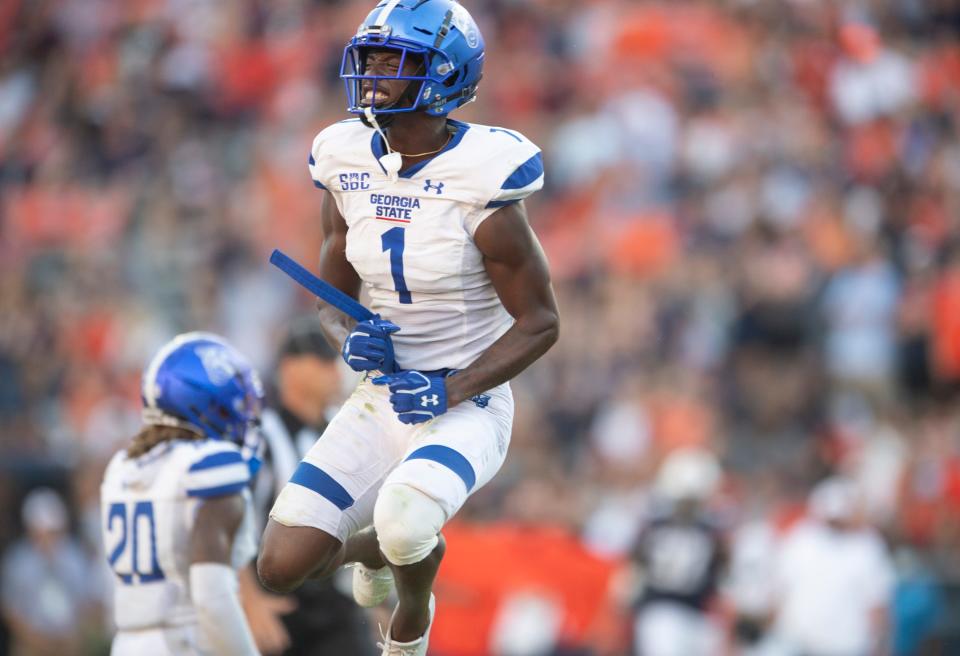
416,397
369,346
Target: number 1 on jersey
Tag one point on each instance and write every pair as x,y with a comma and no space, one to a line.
393,241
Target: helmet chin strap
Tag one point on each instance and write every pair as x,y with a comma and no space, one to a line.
392,161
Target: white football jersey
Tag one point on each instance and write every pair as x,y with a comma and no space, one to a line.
148,506
411,241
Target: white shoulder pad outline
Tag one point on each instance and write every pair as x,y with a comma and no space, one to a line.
519,168
217,469
320,150
113,467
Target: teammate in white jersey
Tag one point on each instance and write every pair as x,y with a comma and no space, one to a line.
176,508
426,214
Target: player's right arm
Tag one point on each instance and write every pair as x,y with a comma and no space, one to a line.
336,270
365,346
213,580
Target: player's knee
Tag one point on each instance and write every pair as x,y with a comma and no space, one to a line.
288,556
278,573
407,522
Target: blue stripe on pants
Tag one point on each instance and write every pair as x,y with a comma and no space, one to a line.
449,458
314,478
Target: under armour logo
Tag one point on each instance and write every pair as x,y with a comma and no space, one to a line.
429,186
481,400
433,399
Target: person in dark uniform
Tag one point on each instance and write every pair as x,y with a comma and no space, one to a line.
680,556
317,619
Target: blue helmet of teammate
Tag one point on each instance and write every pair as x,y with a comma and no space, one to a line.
199,382
439,33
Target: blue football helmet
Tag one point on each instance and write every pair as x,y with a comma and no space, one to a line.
441,33
198,382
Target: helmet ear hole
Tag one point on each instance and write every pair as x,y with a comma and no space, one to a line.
456,79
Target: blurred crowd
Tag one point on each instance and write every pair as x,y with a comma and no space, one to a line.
752,216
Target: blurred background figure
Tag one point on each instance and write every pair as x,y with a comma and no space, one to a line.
176,507
49,598
680,557
320,618
833,581
748,589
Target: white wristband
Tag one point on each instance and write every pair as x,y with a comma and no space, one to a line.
215,594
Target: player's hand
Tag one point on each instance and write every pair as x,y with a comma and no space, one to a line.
264,611
369,346
415,396
269,631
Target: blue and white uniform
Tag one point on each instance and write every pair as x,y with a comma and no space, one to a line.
411,242
149,505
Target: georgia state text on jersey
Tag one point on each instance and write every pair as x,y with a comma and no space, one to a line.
411,241
148,508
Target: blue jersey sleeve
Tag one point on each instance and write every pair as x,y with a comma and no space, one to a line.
520,183
511,169
314,173
217,472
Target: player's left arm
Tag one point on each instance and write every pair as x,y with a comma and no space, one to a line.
213,580
518,269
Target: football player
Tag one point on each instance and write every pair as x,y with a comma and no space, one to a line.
426,214
680,555
176,508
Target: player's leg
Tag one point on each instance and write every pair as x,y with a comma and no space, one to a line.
289,555
372,579
408,523
292,554
363,547
667,629
306,536
450,458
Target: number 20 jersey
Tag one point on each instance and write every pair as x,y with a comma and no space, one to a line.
411,241
148,507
